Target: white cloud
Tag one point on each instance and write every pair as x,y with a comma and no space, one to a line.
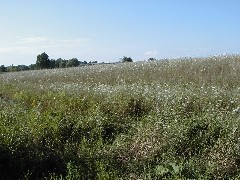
36,39
33,45
151,53
51,42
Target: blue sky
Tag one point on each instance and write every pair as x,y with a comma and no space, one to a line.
107,30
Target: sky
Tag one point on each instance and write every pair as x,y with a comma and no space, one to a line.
106,30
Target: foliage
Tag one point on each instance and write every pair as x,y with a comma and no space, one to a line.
152,59
169,119
3,68
126,59
72,62
43,61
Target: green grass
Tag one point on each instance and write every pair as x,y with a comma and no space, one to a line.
169,119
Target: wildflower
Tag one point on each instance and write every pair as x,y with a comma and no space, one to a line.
237,110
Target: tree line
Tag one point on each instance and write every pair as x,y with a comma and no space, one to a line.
43,62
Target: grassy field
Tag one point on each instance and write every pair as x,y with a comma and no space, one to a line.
169,119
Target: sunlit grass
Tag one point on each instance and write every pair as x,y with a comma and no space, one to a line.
164,119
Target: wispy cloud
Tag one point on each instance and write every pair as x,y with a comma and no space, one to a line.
47,41
36,39
151,53
33,45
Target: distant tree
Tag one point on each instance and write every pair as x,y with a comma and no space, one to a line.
3,68
126,59
43,61
52,64
152,59
11,68
73,62
32,67
22,68
60,63
63,64
57,62
92,62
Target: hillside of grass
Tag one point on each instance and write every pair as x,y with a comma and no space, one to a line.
168,119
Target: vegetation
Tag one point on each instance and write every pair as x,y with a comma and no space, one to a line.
169,119
126,59
43,62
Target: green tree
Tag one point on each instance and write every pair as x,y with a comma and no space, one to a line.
43,61
73,62
32,66
22,68
63,64
126,59
11,68
52,63
58,62
152,59
3,68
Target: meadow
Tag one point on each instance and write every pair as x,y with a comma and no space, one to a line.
167,119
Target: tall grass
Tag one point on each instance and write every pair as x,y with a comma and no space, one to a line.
169,119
